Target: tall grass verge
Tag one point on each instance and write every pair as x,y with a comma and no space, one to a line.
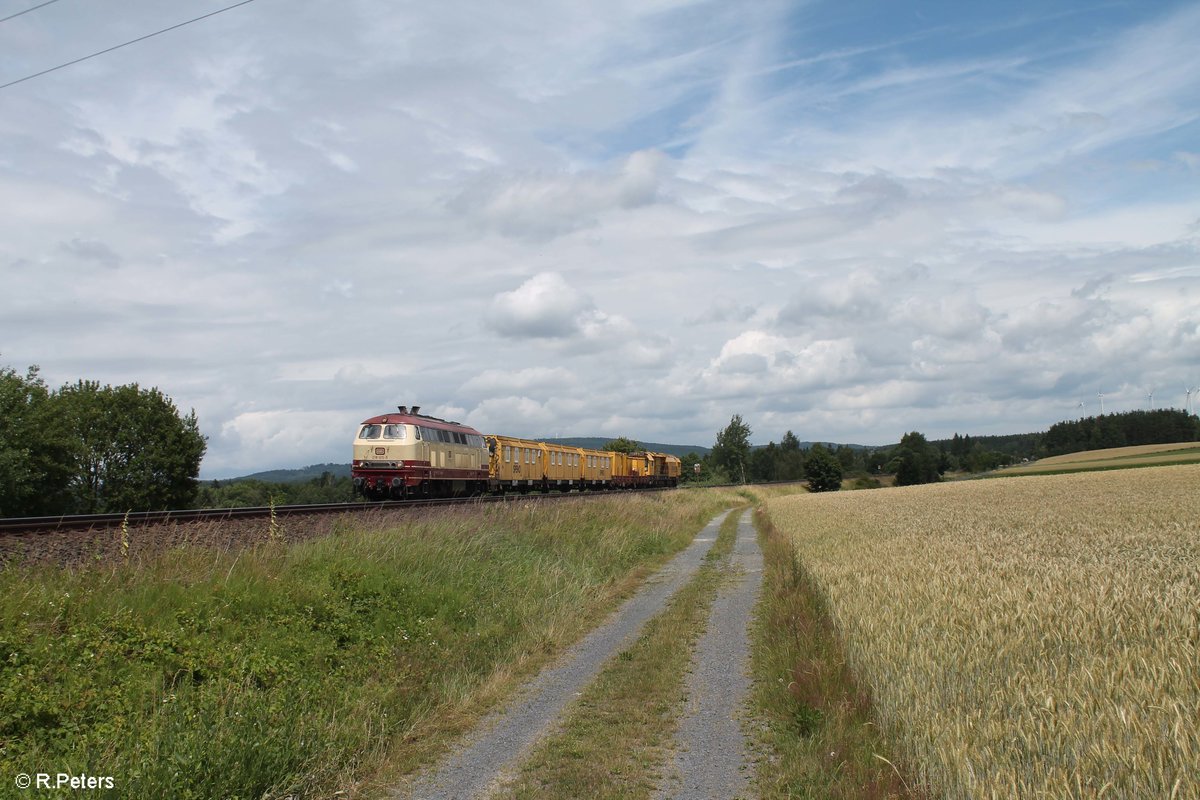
820,739
334,664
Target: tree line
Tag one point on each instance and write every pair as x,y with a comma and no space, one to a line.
1124,429
733,460
918,460
251,492
86,448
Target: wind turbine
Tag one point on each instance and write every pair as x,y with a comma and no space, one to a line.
1101,396
1081,408
1150,398
1187,399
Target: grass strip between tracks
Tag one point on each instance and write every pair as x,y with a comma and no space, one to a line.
616,738
329,666
820,739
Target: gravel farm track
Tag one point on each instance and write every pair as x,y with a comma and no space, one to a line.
712,758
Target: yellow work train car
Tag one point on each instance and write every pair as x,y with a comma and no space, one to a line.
597,469
525,464
662,469
516,463
646,469
566,470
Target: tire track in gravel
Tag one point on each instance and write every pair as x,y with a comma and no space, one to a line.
712,756
500,742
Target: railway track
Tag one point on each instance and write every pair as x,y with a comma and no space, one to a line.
110,538
86,522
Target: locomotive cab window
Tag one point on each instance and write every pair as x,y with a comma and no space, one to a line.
394,432
370,432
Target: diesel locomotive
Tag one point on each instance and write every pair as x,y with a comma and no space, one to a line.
409,454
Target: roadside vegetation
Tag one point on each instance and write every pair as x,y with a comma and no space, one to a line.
819,738
335,664
1033,638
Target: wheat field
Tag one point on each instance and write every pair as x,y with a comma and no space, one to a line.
1022,638
1136,456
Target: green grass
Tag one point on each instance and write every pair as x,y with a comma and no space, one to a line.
331,665
1108,459
616,737
820,734
1093,466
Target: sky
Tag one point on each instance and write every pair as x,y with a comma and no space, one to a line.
604,218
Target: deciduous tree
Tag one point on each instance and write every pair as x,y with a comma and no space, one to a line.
623,444
823,469
130,448
32,473
731,452
917,461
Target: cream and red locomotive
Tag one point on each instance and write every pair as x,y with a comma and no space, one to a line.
409,454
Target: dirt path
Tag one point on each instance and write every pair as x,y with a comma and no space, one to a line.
497,747
712,757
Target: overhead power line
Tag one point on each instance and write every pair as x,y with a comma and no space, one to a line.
26,11
123,44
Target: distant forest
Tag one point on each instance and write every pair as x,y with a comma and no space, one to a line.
1073,436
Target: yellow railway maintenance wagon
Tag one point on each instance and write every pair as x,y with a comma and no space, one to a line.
597,469
646,469
516,464
525,465
631,469
663,469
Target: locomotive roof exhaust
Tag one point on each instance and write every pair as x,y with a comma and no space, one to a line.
403,409
416,410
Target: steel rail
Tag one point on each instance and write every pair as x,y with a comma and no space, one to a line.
76,522
81,522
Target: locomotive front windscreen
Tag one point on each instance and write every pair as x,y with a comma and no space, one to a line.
384,431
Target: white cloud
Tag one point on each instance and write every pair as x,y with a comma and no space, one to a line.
540,380
307,435
543,307
618,218
545,205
